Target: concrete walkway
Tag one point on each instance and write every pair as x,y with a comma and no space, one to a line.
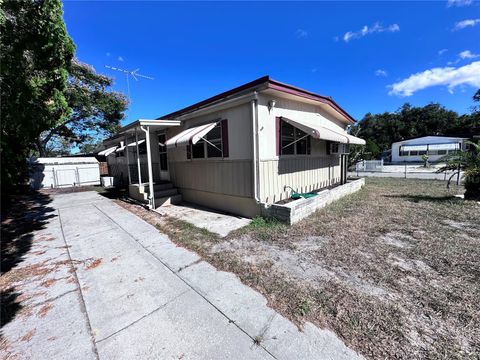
113,287
214,221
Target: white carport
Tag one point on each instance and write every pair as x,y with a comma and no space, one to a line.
145,126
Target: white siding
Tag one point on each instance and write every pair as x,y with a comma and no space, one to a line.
239,132
303,174
290,109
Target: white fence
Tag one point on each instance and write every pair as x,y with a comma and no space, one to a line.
369,165
68,174
376,168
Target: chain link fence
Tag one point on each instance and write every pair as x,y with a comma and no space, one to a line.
377,168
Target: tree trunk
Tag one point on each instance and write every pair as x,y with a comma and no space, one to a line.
41,147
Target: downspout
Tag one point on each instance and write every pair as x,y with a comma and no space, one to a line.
151,194
255,157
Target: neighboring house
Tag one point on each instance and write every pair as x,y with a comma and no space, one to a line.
237,150
436,147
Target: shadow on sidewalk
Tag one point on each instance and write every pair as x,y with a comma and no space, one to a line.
25,214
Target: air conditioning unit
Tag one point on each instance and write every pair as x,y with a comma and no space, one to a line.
107,181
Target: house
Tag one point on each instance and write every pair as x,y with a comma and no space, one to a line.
236,151
436,147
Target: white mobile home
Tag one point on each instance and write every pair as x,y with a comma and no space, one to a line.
436,147
236,151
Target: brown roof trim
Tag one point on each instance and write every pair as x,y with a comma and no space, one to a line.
254,83
271,84
289,89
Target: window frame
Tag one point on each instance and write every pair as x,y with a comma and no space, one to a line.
206,145
295,141
337,144
162,150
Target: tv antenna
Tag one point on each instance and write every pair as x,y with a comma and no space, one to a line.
133,73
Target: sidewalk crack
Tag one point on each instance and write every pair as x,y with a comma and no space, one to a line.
144,316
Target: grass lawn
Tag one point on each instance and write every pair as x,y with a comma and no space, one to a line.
394,269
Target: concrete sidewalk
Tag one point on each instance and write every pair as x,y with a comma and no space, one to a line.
116,288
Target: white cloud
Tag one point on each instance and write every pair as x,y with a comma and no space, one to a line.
450,77
301,33
465,23
441,52
120,58
459,3
381,73
467,54
376,28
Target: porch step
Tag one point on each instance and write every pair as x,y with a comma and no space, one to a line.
168,200
165,193
162,186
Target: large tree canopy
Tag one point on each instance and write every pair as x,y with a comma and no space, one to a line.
96,111
381,130
36,54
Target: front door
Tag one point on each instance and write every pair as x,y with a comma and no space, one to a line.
162,149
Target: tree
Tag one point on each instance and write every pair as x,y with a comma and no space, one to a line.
469,162
36,54
381,130
96,111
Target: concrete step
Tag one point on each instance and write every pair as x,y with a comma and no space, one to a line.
163,186
164,193
168,200
158,187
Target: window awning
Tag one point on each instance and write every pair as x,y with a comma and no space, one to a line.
121,148
108,151
323,133
190,136
447,146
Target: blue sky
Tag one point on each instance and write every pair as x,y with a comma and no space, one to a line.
363,54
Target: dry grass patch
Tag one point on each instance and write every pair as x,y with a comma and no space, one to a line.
394,269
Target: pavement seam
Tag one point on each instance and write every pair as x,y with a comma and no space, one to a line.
51,299
83,307
191,264
186,282
144,316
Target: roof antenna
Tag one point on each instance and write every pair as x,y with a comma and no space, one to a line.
128,73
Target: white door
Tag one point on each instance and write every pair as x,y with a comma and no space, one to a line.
162,150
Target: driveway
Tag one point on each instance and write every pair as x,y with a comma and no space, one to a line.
100,283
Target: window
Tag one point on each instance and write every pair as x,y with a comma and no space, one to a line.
293,141
198,150
442,152
414,153
334,147
422,152
432,152
142,148
213,145
403,153
162,150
